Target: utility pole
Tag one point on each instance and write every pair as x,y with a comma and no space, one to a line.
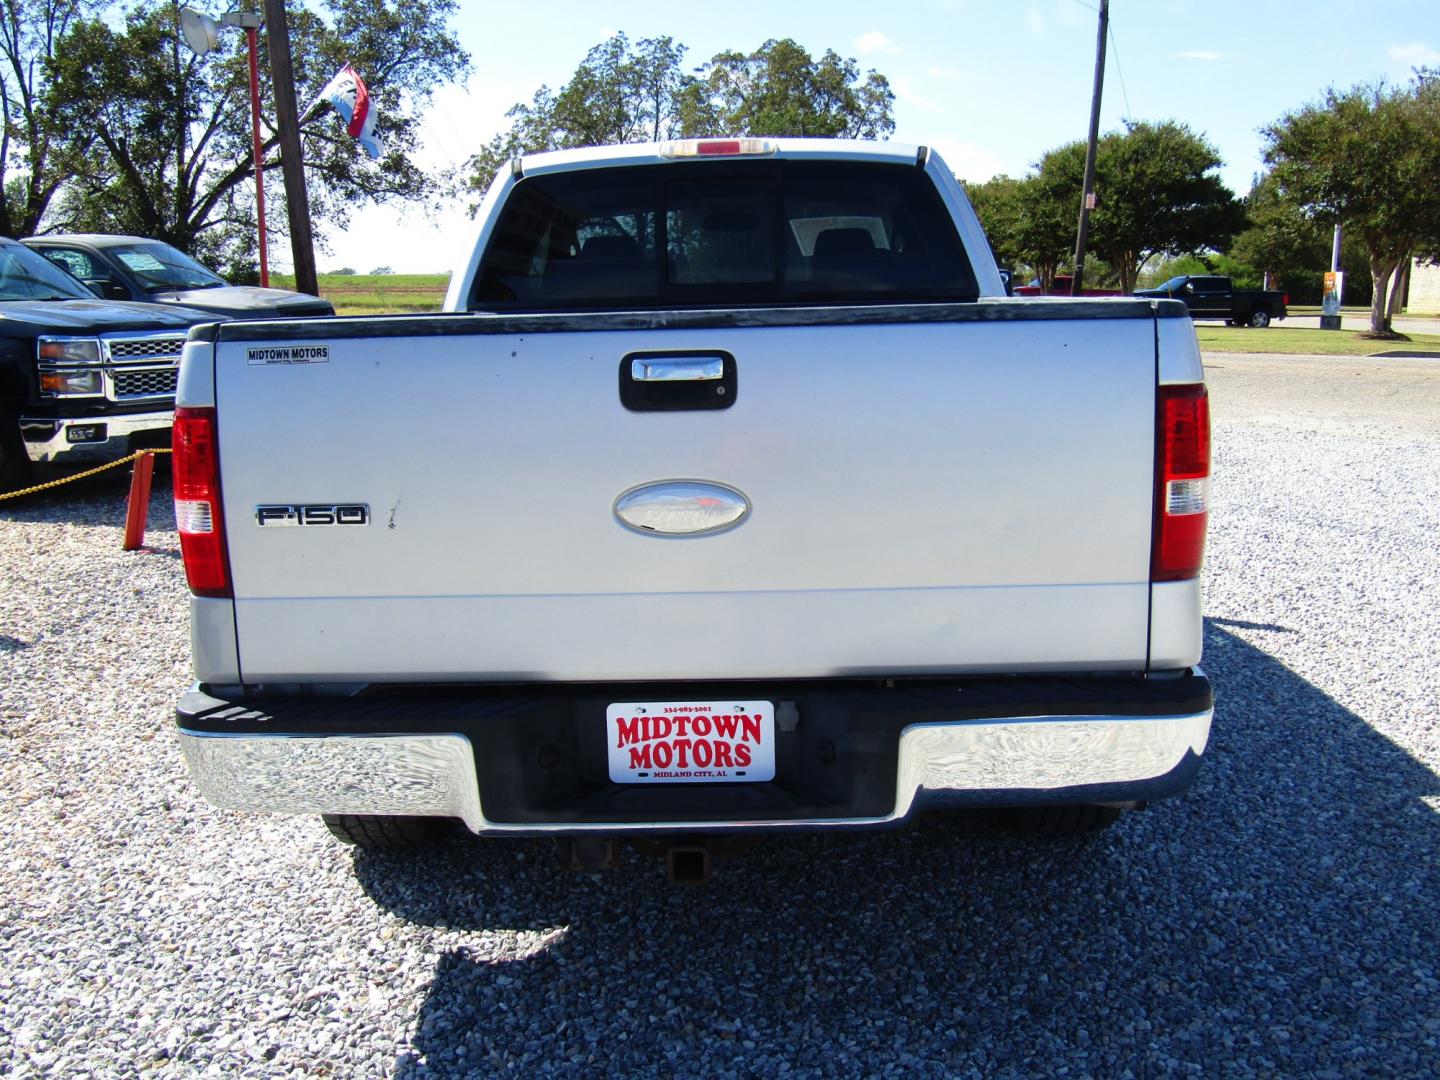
1087,198
292,166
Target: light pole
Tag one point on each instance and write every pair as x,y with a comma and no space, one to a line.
202,34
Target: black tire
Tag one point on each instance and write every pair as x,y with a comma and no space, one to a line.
1068,819
1260,318
15,471
375,832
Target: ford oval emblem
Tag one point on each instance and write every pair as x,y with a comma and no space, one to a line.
681,508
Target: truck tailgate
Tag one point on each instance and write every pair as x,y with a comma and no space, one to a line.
964,490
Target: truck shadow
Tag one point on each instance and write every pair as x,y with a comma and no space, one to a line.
1279,919
90,500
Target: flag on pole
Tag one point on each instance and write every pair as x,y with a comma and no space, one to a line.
347,95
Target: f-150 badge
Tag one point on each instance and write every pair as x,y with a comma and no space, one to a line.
285,514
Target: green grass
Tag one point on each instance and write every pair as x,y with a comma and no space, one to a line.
377,294
1288,339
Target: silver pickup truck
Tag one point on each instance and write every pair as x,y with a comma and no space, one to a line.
729,495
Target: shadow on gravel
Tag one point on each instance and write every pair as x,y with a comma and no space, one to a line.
89,500
1280,919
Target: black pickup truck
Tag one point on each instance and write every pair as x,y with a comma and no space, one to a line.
1215,298
81,379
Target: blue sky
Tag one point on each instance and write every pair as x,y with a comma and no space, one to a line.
992,85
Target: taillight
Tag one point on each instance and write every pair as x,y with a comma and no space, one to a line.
196,474
1182,479
1285,299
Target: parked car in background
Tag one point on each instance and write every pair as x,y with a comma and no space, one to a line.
81,378
153,272
1217,298
1061,287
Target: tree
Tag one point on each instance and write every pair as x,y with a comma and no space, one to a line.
619,94
624,93
36,153
1027,225
1280,239
1366,159
1157,194
171,156
780,89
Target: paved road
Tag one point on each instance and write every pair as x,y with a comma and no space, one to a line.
1278,921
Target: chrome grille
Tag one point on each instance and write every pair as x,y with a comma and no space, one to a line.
133,348
145,382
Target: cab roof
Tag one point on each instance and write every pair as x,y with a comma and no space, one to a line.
591,157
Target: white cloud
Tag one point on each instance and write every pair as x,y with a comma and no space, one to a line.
949,74
1414,54
906,93
967,160
1036,21
876,42
1199,54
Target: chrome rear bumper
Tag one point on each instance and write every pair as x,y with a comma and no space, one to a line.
1013,761
52,440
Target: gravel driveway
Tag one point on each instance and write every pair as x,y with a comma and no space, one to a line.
1282,919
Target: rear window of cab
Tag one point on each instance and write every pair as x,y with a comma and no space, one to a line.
731,234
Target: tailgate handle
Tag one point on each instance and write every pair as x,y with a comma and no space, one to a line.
680,369
678,380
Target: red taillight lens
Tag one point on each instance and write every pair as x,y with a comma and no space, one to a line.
1285,299
689,148
1182,479
196,474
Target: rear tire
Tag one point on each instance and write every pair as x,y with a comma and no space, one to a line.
1067,819
375,832
15,471
1260,318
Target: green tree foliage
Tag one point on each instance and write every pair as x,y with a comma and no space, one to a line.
1368,159
36,152
1280,239
640,92
1027,223
1157,193
170,156
620,93
780,89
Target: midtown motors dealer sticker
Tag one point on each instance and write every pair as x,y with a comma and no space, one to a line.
288,354
690,742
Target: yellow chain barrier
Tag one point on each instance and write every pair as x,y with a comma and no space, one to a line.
81,475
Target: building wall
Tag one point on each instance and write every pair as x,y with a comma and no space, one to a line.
1424,289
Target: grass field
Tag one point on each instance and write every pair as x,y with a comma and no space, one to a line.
378,294
1295,339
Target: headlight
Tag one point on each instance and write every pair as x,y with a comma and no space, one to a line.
83,350
70,383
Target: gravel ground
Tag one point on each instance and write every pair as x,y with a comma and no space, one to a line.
1280,920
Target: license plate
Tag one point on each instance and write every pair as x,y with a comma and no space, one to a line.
691,742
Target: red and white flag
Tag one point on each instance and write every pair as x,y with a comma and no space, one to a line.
347,95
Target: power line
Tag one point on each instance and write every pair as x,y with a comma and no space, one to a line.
1115,49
